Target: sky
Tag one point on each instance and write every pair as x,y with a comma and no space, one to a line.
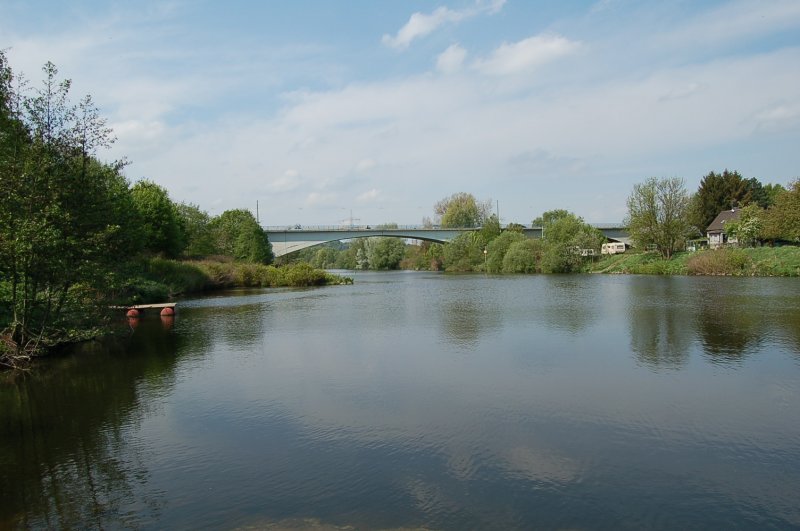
320,112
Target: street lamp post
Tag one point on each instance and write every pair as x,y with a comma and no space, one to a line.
485,252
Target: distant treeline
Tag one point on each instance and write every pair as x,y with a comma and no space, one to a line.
662,217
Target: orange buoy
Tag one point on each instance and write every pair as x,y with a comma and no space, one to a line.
167,311
133,312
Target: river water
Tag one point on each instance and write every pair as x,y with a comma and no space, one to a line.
421,400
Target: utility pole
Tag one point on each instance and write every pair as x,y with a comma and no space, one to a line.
257,220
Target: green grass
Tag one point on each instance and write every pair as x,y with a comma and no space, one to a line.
731,261
641,263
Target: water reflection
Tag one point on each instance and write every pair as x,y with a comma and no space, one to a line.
465,321
356,407
660,318
66,452
569,303
729,330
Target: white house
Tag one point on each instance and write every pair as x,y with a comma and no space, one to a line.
716,231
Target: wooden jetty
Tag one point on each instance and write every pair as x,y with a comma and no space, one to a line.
166,308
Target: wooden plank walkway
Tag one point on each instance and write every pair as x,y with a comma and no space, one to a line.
146,306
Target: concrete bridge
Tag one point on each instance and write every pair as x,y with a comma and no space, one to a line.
287,240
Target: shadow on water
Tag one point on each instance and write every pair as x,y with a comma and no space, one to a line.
66,424
729,329
658,322
466,321
570,303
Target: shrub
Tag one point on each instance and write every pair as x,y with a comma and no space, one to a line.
523,257
726,261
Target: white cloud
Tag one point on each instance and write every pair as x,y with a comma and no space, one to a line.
421,24
368,196
290,180
680,92
778,117
592,124
365,165
734,22
513,58
451,60
317,199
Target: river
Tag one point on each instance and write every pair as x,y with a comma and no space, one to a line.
421,400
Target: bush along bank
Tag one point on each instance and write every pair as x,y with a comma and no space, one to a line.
728,261
160,278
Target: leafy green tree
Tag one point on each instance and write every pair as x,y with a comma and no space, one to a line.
524,256
324,258
748,229
497,249
564,235
362,262
773,191
464,253
236,233
160,222
196,229
461,210
722,191
549,217
783,218
385,252
490,229
657,214
62,213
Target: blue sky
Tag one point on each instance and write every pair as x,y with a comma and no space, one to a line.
319,108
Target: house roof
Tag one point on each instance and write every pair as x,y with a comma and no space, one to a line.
718,225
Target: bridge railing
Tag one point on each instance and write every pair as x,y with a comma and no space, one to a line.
316,228
343,228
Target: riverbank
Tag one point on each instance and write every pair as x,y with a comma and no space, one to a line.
729,261
153,280
159,279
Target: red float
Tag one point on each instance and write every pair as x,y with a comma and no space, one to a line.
167,311
133,312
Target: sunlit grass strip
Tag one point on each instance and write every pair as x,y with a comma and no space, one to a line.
729,261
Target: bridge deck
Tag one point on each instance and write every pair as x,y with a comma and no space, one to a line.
288,239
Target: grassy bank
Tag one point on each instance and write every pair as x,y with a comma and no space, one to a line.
159,279
756,262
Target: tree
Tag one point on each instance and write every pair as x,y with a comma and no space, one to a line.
497,249
657,214
783,218
63,214
236,233
385,252
464,252
722,191
549,217
196,229
749,227
160,223
461,210
523,256
490,229
773,191
324,258
564,235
